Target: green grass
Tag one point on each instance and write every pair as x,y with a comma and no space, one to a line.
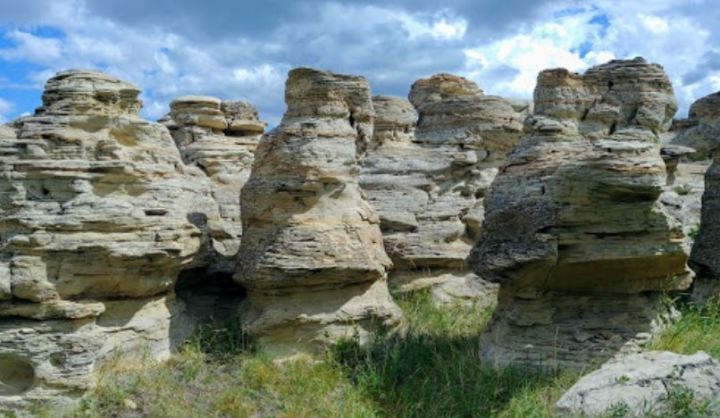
432,371
697,329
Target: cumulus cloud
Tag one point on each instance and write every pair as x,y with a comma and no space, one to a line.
220,47
580,37
5,108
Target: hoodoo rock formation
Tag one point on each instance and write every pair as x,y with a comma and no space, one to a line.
99,216
701,130
428,184
574,231
312,257
220,138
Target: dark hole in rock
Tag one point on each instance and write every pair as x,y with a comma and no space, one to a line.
58,359
613,128
156,212
16,375
209,296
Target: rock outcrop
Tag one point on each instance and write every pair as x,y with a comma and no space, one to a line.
701,130
705,255
428,181
99,216
218,137
574,231
312,256
644,384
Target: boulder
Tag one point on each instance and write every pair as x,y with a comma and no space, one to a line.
312,257
427,178
99,217
574,230
219,138
646,384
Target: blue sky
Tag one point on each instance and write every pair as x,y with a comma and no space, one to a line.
243,49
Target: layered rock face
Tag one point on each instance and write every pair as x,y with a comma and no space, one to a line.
705,255
99,216
574,231
428,183
701,130
312,256
220,138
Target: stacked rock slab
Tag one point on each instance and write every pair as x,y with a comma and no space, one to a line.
220,138
312,257
99,216
574,231
428,183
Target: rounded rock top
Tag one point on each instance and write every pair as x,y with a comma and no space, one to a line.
89,92
442,87
200,101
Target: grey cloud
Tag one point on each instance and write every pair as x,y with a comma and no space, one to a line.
228,18
709,64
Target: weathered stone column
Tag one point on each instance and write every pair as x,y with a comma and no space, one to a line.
312,255
99,216
428,184
574,231
219,138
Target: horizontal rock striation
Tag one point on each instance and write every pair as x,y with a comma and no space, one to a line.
312,256
427,178
99,216
701,130
705,256
218,137
574,230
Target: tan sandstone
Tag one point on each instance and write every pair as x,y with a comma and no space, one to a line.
427,178
574,230
99,217
312,254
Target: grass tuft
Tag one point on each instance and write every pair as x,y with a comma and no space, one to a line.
433,370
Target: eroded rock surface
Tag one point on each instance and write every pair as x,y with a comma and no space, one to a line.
427,178
643,384
312,254
220,138
574,230
99,216
705,256
701,130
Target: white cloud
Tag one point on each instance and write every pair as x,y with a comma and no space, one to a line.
545,45
263,74
437,27
509,65
5,108
390,44
28,47
654,24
